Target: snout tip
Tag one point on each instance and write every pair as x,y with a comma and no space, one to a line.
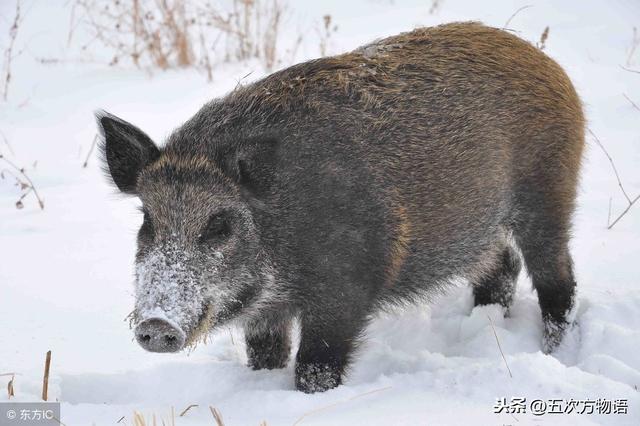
159,335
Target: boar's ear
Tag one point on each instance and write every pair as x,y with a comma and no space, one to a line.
250,163
126,150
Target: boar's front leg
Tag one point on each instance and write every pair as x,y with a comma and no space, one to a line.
268,342
327,340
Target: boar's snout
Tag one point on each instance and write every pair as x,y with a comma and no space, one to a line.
158,335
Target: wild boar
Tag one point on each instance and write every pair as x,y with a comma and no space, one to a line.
336,187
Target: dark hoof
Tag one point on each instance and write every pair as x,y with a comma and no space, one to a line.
312,378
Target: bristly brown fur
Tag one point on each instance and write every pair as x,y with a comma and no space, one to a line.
374,177
400,247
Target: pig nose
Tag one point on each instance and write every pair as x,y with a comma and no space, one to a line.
158,335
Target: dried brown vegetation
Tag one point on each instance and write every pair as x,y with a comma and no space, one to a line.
140,419
10,389
216,416
155,33
325,33
513,15
91,149
22,180
250,29
435,6
499,346
344,401
45,379
9,53
187,409
635,42
165,34
630,201
543,39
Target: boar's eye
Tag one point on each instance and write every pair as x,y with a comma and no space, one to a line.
218,228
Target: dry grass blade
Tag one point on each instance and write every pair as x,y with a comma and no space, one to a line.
630,101
613,165
506,25
26,185
10,386
635,42
499,347
630,202
93,145
45,380
543,38
629,69
624,212
138,419
216,416
6,142
435,5
8,53
326,407
187,409
325,33
239,82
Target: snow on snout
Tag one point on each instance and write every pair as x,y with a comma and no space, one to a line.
167,288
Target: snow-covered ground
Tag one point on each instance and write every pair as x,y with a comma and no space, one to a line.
66,271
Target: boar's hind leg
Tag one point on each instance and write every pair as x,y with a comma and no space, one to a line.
268,343
498,285
542,233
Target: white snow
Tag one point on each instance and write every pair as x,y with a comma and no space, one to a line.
66,273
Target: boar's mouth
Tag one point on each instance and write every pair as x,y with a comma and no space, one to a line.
203,326
157,333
